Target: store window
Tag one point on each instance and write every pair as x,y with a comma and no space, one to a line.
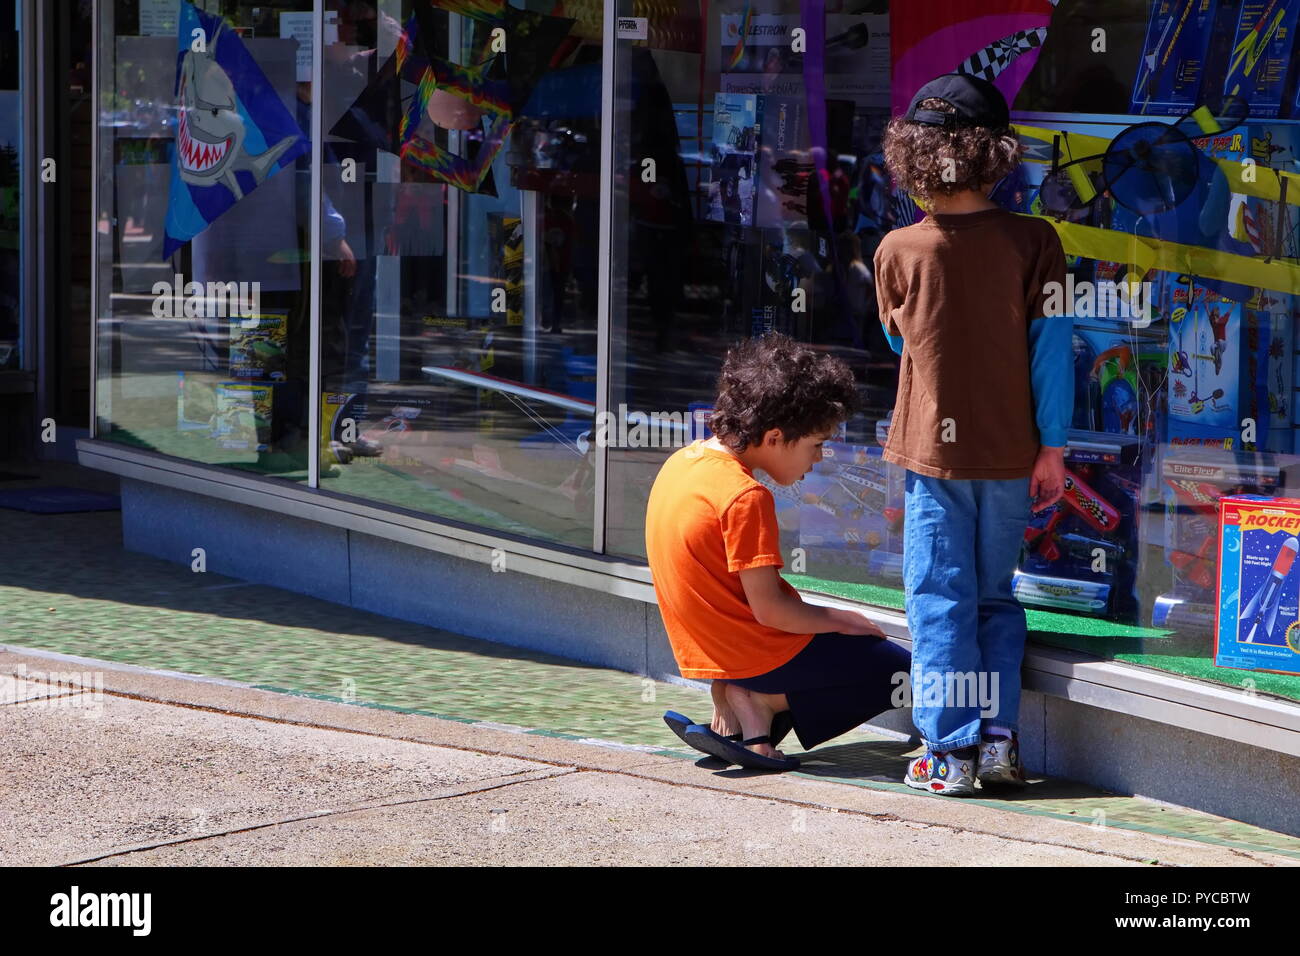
462,188
1139,119
721,230
11,185
203,258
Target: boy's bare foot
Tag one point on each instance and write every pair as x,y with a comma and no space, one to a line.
755,713
724,718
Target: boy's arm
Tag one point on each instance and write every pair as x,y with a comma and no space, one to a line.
751,536
1051,368
885,301
773,606
1051,352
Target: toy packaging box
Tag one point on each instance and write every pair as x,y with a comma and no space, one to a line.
1080,553
850,508
1172,66
1257,70
1258,608
737,122
1195,479
196,401
243,416
257,346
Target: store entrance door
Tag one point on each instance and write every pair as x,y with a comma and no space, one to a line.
45,189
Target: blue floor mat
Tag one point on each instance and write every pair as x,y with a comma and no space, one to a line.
58,500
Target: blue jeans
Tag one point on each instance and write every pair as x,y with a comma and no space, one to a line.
960,548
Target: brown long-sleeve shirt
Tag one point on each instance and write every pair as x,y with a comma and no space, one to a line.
961,289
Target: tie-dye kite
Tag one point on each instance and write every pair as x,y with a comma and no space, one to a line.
497,85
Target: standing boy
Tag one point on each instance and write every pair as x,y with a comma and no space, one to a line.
985,397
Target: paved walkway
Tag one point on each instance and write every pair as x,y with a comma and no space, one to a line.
68,588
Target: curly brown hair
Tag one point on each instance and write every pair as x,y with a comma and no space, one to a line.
776,382
915,154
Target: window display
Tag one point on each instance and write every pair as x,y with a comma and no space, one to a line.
461,352
1180,224
204,259
458,344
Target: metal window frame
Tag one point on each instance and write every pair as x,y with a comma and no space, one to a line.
605,284
314,215
30,97
96,35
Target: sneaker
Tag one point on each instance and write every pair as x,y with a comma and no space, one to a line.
999,762
944,773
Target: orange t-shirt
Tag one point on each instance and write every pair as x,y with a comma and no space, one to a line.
707,519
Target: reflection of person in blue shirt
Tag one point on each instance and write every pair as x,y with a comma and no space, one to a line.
334,229
347,291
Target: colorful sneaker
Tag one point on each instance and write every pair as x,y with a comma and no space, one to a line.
944,773
999,762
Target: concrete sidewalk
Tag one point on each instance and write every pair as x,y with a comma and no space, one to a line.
167,770
381,711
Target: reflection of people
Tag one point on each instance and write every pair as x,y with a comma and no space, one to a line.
962,295
713,545
660,212
346,316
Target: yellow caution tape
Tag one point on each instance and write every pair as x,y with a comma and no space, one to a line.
1145,253
1249,179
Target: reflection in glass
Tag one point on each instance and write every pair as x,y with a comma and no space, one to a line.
460,268
11,194
203,232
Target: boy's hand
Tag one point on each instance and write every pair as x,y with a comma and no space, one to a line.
853,622
1048,482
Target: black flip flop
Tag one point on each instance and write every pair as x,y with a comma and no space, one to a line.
678,723
704,739
782,724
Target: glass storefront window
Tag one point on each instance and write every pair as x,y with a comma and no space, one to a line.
460,266
11,186
462,189
1183,395
720,231
203,259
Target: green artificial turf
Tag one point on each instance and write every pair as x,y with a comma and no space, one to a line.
1183,654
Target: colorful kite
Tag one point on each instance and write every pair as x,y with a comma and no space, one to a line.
497,87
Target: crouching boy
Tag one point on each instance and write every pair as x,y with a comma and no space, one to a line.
777,664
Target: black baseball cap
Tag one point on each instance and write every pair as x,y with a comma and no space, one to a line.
977,102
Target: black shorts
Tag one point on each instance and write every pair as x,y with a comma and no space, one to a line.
835,683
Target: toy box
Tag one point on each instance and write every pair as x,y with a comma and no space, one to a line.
850,507
243,416
1257,70
196,401
1080,554
1257,626
1195,479
1172,67
1219,370
1114,372
257,346
737,125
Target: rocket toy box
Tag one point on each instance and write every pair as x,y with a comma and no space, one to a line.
1257,624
